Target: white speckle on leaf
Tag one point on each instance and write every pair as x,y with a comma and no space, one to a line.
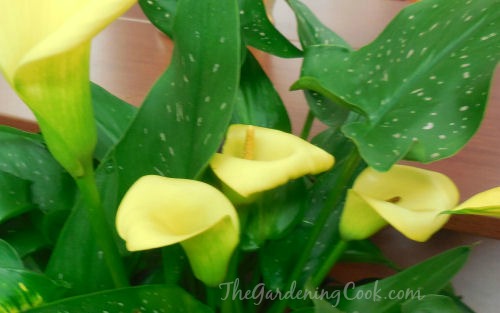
488,36
466,75
464,108
428,126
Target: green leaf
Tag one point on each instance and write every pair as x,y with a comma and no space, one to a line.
15,197
184,118
21,289
161,13
152,298
76,258
421,95
259,32
431,303
279,257
258,103
25,156
311,30
273,214
9,257
24,236
175,132
365,251
387,295
113,116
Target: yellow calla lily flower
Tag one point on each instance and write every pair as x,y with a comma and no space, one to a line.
485,203
256,159
44,55
159,211
409,198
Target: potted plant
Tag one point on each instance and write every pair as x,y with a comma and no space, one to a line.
202,200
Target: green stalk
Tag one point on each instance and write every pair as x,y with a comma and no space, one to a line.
335,196
102,232
330,261
306,129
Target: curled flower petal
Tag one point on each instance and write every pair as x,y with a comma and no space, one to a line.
484,203
159,211
408,198
44,55
256,159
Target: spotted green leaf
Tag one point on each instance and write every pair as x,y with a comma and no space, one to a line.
258,103
152,298
313,32
25,156
15,196
259,32
161,13
421,87
21,289
184,118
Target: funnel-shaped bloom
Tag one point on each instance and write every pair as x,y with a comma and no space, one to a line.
256,159
409,198
159,211
44,55
485,203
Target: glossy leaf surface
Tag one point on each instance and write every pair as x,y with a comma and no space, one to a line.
152,298
184,117
112,116
25,156
432,303
422,95
313,32
258,103
161,13
259,32
417,281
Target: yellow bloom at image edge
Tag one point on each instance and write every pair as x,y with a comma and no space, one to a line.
44,55
160,211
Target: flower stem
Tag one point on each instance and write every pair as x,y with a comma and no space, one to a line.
349,167
306,129
104,237
330,261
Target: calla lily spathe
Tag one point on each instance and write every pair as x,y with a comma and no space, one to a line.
256,159
159,211
485,203
408,198
44,55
